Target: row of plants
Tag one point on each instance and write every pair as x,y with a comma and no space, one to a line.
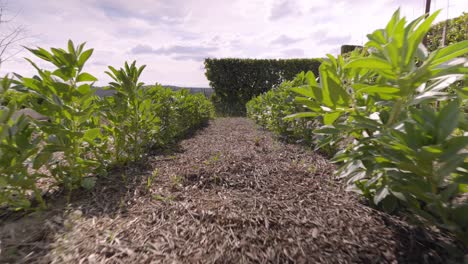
270,109
82,135
397,113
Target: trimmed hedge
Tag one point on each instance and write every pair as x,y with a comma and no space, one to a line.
236,81
457,31
349,48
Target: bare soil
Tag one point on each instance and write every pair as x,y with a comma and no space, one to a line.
229,194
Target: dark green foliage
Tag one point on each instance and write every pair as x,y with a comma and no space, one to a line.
349,48
236,81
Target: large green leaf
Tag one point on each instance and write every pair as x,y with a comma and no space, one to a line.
84,57
452,51
86,77
369,63
447,120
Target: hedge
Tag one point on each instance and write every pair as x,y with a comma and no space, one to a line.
348,48
236,81
457,31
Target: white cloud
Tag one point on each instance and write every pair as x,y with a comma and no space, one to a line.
172,37
285,40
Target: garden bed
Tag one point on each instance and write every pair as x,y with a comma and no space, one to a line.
229,194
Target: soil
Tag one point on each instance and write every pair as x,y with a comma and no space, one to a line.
231,193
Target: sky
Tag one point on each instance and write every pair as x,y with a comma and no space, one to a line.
173,37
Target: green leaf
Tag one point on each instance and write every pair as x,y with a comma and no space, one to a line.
300,115
378,90
304,91
71,48
327,130
42,158
369,63
329,118
447,120
85,77
414,38
311,104
91,134
84,57
444,54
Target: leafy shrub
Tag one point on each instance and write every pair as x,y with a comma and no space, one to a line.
17,146
131,121
270,108
178,111
236,81
410,140
83,135
68,101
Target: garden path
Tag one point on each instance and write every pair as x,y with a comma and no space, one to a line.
231,193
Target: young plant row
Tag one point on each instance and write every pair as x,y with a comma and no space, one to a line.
401,118
80,135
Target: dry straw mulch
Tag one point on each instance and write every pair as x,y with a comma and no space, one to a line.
229,194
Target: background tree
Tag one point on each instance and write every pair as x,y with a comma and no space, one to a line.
10,35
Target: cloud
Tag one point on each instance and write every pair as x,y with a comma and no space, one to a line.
335,40
285,40
293,53
142,49
191,57
161,12
282,9
178,49
177,52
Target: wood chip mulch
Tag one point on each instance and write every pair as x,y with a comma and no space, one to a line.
229,194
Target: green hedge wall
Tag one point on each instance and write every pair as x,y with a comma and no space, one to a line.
236,81
349,48
457,30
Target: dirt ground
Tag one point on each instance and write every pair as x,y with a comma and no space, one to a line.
230,193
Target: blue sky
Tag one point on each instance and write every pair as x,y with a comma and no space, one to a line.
172,37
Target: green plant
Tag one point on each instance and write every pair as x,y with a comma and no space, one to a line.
150,178
66,98
270,108
392,100
176,180
17,147
132,124
82,134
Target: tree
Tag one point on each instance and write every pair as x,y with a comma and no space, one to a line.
9,35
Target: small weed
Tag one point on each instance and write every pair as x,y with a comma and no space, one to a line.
213,159
176,180
257,141
312,169
150,178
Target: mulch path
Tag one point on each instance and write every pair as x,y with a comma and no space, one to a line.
229,194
